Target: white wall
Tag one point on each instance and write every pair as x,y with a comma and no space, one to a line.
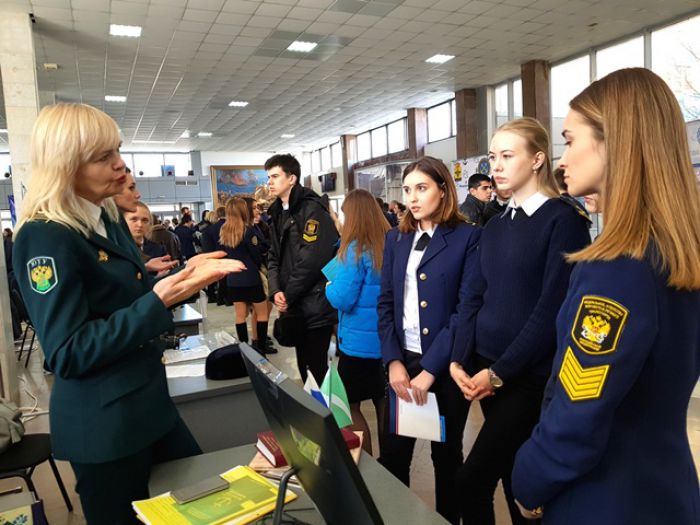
231,158
446,150
340,186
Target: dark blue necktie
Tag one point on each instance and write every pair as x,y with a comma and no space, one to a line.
422,242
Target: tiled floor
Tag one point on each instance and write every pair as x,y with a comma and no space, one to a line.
34,382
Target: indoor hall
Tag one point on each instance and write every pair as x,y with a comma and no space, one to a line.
210,89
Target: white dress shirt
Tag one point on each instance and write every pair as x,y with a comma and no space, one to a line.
411,314
533,203
95,214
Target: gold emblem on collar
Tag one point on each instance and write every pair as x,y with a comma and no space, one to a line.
102,256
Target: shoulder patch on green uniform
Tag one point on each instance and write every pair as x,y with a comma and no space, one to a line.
42,274
598,325
311,230
581,383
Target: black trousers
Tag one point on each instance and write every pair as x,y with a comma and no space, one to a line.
509,417
107,489
312,353
397,451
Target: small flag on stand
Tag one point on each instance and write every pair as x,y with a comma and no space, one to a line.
336,397
311,387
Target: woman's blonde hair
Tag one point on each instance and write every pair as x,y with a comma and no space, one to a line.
649,190
448,210
237,218
66,137
537,140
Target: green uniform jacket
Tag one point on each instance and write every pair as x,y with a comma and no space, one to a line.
96,317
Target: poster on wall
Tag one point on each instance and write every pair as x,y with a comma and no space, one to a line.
227,181
694,145
464,168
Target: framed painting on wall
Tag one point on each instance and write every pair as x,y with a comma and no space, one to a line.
227,181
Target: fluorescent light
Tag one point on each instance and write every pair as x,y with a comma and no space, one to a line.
119,30
204,134
153,142
440,59
114,98
3,131
238,103
287,136
185,134
302,47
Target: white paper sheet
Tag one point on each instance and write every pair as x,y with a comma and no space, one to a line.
421,422
194,370
179,356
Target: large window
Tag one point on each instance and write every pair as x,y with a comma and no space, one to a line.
517,98
5,163
326,158
315,161
336,155
397,135
626,54
567,81
675,57
379,142
364,146
150,163
440,122
501,93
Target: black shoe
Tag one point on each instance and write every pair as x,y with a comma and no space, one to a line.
270,350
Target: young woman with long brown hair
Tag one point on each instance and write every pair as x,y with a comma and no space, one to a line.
506,338
611,445
353,292
238,238
425,274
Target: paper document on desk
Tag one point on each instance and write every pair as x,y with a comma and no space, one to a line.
411,420
186,354
192,370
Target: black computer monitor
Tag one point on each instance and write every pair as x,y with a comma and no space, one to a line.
312,444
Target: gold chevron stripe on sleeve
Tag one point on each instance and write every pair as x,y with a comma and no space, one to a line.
581,383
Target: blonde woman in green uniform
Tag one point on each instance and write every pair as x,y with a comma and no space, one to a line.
97,315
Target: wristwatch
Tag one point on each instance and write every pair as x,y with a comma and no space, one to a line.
496,382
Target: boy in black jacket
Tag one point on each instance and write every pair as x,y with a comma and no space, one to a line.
303,240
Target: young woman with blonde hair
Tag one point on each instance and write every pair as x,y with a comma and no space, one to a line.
612,443
505,339
241,241
426,270
97,315
353,292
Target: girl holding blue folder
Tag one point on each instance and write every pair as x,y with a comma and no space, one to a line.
353,291
425,272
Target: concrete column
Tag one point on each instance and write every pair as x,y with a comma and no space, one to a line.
535,75
468,124
19,83
348,151
417,132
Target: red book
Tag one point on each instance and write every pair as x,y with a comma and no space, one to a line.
269,447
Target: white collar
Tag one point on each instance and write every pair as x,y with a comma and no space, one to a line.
420,231
533,203
93,211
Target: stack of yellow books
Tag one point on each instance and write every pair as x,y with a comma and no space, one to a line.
248,497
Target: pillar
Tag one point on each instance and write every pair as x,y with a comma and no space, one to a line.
535,75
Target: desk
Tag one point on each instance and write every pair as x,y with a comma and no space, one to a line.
186,320
220,414
396,503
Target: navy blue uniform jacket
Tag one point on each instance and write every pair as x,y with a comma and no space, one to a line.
442,277
98,320
249,252
611,447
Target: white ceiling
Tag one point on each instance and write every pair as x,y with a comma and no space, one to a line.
195,56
